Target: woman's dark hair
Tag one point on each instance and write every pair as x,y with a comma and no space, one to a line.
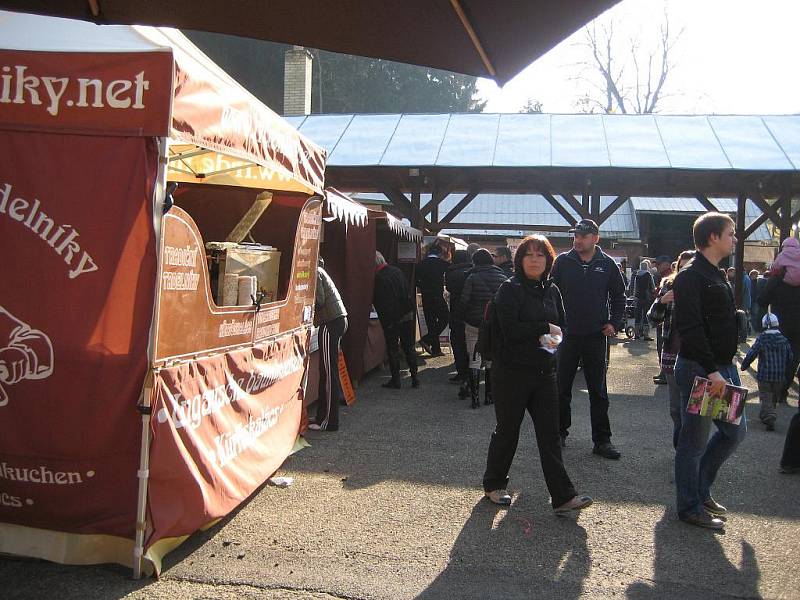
684,256
482,257
708,224
535,242
460,256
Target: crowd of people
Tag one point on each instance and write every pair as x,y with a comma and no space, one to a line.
530,320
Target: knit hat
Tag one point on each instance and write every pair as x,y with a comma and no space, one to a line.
770,321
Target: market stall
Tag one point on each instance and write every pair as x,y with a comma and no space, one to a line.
161,229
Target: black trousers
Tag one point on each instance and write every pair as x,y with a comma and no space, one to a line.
592,349
458,343
436,317
791,448
330,386
792,371
401,334
660,344
514,392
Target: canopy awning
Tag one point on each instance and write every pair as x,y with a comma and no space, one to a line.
488,39
402,230
146,81
342,207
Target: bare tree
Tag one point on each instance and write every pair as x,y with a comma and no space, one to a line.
531,106
625,76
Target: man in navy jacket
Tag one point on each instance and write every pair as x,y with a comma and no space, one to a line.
593,290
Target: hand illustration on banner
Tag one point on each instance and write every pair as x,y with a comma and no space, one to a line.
25,353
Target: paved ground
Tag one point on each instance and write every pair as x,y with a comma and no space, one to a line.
391,507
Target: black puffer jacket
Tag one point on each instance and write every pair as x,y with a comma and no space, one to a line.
525,309
454,280
479,288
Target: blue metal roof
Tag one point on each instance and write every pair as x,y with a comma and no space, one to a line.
758,143
532,209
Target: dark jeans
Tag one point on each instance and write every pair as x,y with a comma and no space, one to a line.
698,459
791,448
514,392
642,324
330,386
436,317
401,334
660,345
792,371
459,345
592,349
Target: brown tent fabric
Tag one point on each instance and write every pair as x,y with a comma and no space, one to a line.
349,254
488,39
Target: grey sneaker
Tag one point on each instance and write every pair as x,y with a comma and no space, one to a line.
501,497
577,503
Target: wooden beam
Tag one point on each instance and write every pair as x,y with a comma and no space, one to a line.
575,205
442,191
462,204
559,209
707,204
766,207
611,209
403,204
503,226
762,218
738,259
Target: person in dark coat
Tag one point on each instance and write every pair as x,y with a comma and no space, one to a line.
454,280
529,314
643,289
482,282
594,303
430,281
395,307
502,259
785,302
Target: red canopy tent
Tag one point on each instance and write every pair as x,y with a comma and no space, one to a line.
106,305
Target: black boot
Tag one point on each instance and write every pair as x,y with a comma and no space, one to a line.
463,390
487,386
474,382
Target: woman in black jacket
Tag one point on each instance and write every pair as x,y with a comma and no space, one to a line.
529,313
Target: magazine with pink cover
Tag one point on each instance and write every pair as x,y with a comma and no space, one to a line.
728,406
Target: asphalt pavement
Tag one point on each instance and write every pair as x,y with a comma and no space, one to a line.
391,506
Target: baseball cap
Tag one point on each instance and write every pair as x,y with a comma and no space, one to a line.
770,321
585,226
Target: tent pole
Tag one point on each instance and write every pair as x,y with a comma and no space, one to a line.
143,474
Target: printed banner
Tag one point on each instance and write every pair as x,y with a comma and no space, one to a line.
87,92
75,312
221,426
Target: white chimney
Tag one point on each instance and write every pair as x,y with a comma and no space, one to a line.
297,82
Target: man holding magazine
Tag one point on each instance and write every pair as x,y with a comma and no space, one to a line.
705,317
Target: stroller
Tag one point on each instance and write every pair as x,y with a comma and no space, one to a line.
629,317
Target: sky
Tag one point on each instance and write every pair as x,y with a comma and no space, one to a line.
733,57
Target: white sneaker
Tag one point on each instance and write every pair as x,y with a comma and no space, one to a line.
315,427
501,497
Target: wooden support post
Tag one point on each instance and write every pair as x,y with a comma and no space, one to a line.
405,206
415,205
739,257
785,202
754,225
